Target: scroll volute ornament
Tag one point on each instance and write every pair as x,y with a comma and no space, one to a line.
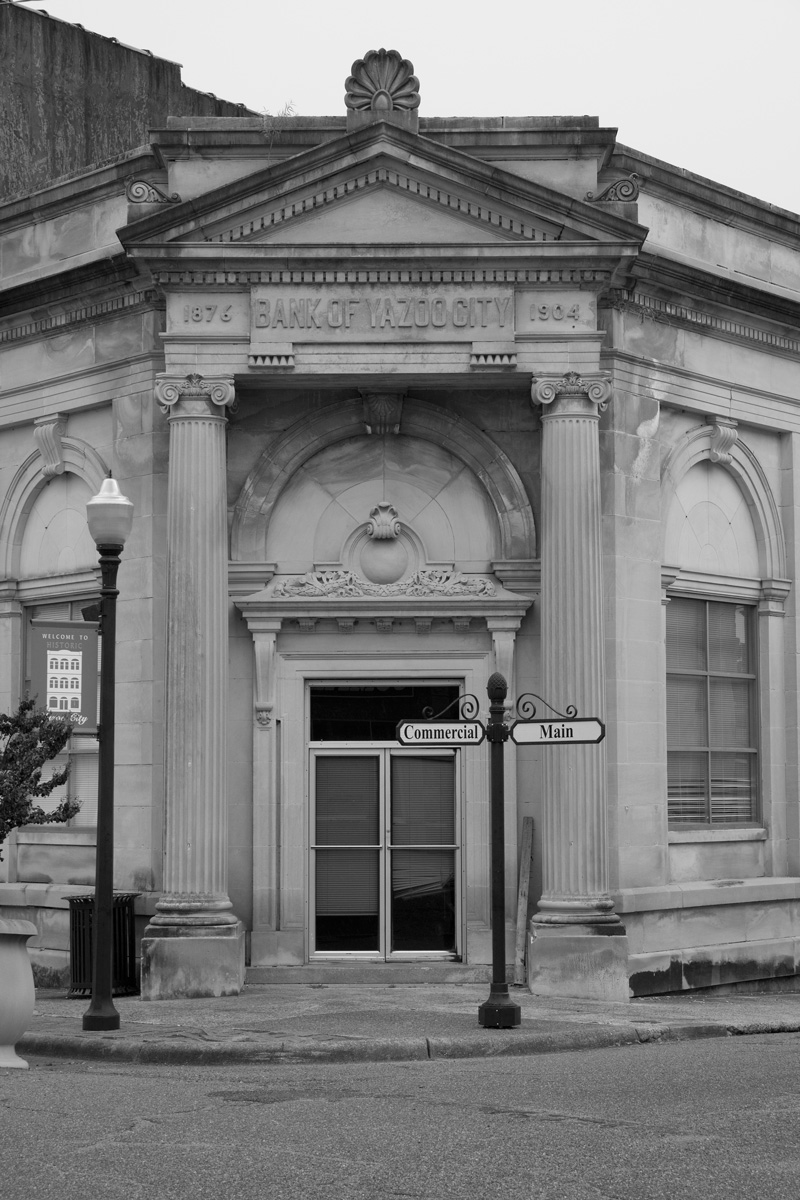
572,392
215,394
383,522
382,87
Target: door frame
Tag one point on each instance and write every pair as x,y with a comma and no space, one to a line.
385,751
280,777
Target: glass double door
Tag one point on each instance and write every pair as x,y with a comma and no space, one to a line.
385,862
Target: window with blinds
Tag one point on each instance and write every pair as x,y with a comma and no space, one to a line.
81,752
712,751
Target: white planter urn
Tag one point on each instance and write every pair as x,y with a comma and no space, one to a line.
17,994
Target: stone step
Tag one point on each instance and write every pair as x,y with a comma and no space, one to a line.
371,973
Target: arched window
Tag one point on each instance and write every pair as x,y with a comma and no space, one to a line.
75,683
52,702
62,702
75,702
54,683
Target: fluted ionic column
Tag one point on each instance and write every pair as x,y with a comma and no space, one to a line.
575,899
195,901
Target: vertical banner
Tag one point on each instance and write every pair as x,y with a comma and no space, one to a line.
64,671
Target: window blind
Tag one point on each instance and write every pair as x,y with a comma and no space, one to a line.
712,759
423,801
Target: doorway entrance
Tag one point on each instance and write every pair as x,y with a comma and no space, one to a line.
385,843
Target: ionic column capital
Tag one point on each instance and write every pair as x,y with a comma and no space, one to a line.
194,396
572,394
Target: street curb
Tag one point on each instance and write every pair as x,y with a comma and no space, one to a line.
179,1049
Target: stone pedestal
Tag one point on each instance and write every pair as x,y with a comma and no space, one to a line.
193,944
577,945
192,961
563,963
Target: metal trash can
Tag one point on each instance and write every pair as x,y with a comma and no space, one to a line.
81,945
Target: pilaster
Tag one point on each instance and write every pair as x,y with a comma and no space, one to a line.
193,945
772,719
10,645
575,903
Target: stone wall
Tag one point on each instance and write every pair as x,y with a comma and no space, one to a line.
72,99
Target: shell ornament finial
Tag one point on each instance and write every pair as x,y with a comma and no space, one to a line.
382,83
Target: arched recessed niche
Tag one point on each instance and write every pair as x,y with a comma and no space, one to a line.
504,508
444,513
747,476
709,526
36,509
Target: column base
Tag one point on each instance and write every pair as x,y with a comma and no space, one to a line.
583,965
193,962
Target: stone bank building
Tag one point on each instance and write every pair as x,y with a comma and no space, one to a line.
400,402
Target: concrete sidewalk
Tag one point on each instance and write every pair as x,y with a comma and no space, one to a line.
288,1023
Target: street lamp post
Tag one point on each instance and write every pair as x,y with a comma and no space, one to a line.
110,515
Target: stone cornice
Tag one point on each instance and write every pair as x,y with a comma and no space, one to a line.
105,309
655,309
384,608
708,197
74,190
703,284
587,265
381,144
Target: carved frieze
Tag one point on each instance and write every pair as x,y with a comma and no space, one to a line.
338,584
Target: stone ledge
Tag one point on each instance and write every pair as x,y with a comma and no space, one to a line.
81,835
56,895
692,836
695,895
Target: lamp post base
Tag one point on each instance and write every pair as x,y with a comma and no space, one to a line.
102,1017
499,1011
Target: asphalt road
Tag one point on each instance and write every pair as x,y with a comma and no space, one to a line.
706,1119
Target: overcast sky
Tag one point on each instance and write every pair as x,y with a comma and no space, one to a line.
709,85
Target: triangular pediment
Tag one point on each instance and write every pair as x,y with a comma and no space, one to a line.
386,204
384,186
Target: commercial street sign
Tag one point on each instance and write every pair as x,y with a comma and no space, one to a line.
561,733
440,733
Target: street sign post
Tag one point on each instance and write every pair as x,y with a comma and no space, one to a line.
580,730
500,1011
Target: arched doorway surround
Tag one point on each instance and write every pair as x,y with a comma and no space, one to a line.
322,629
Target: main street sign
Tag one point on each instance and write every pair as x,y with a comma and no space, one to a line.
440,733
561,733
